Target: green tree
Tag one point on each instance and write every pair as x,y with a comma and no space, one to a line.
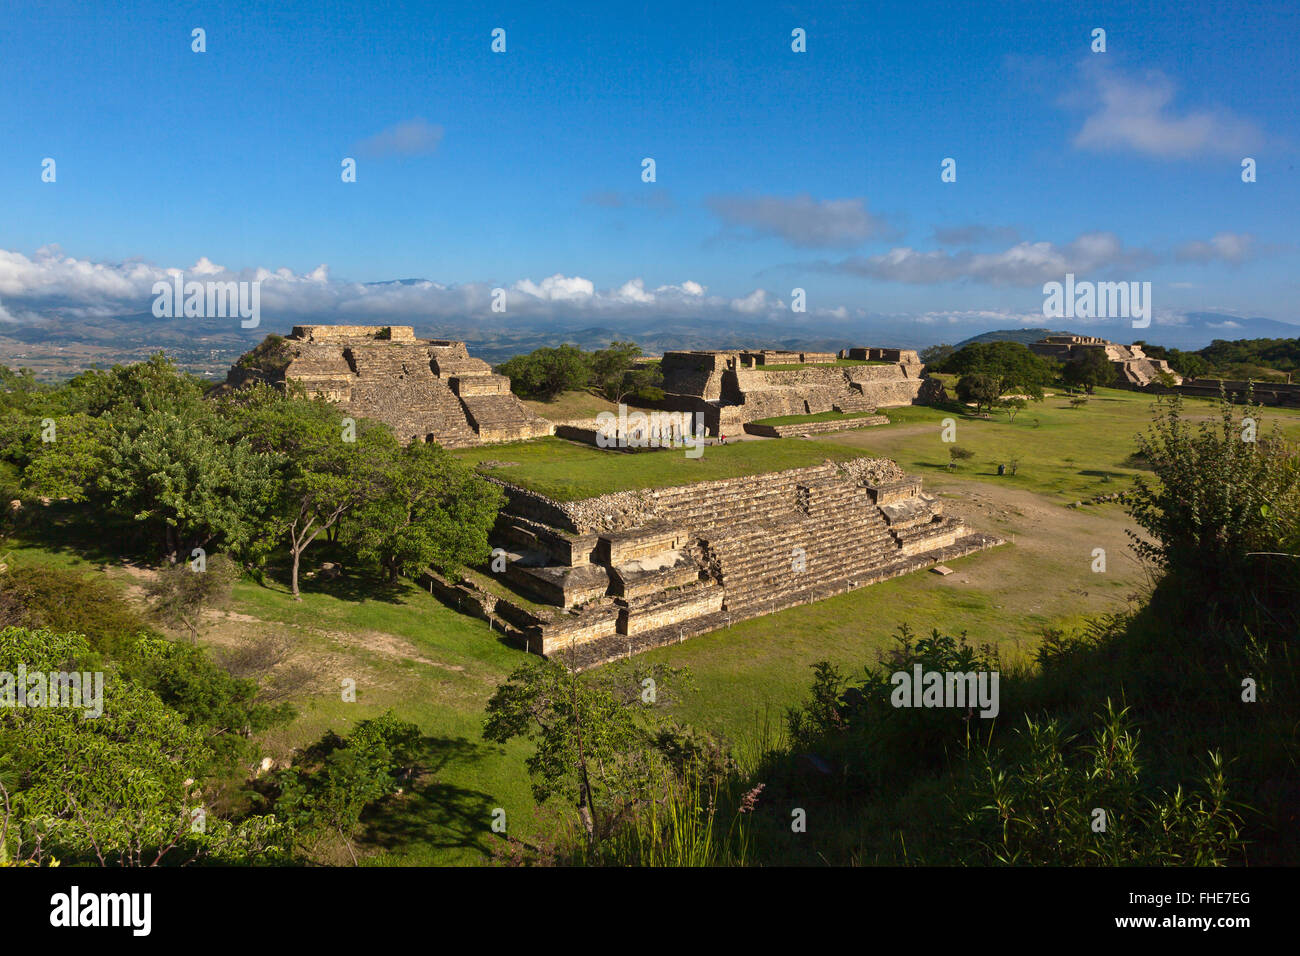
1219,490
120,788
546,372
222,707
591,732
1012,406
335,780
980,389
1091,371
329,465
431,509
994,369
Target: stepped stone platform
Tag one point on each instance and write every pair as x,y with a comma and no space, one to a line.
604,577
426,389
731,388
1132,366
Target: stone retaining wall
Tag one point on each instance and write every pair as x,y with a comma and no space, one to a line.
814,428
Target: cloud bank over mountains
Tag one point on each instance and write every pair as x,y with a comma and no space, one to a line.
52,285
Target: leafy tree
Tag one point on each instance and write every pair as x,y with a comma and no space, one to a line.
546,372
1219,491
1012,406
119,788
140,443
592,738
956,453
978,388
1092,370
334,781
609,367
70,466
431,510
993,369
223,707
328,466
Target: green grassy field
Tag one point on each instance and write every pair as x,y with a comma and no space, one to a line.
568,471
570,405
1065,452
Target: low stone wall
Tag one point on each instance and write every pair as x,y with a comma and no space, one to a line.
1265,393
814,428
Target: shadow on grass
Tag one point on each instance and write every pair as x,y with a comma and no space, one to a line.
356,587
67,529
433,813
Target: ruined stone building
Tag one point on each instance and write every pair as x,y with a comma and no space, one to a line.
426,389
731,388
620,573
1133,369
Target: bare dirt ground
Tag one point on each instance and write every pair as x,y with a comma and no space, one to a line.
1053,543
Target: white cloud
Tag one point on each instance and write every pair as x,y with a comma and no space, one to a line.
799,220
414,137
51,284
1232,247
1127,112
558,287
1023,264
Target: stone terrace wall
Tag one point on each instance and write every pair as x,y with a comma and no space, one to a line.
814,428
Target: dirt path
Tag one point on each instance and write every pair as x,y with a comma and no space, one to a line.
1055,549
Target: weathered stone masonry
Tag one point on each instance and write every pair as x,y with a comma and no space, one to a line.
732,388
637,569
426,389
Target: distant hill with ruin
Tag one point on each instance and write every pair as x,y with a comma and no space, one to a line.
1133,368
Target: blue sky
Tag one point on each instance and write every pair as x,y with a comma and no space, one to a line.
775,169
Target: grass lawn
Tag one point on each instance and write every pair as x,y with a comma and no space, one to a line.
1065,452
819,417
570,405
569,471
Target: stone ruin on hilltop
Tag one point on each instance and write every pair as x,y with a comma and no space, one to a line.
1133,369
426,389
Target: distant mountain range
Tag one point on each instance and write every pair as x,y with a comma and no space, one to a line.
1198,331
59,347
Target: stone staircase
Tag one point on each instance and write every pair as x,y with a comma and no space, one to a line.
502,417
855,401
396,384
